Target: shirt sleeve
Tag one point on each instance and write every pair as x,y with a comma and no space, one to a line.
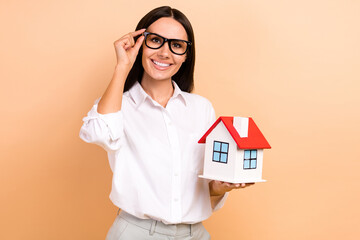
218,202
105,130
212,115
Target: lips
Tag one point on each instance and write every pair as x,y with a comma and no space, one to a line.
160,65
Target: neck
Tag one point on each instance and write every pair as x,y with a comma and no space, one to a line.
160,91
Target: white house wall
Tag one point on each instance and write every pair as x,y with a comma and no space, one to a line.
248,175
215,169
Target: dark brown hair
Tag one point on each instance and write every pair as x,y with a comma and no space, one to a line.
184,78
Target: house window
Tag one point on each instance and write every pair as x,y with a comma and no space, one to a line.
250,159
220,153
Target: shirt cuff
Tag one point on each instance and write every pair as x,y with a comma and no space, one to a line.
114,121
218,202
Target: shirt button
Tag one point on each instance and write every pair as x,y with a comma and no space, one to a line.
176,199
176,174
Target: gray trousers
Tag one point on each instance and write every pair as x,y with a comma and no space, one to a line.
128,227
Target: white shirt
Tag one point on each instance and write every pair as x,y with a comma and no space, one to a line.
154,155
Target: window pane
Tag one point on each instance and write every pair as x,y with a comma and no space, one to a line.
253,164
247,154
224,147
223,158
253,153
216,156
246,164
216,146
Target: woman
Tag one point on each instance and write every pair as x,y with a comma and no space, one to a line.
149,123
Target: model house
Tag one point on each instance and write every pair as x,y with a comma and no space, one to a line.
234,150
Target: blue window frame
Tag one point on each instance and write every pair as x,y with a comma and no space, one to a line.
220,153
250,159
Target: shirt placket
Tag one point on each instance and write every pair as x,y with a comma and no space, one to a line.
176,167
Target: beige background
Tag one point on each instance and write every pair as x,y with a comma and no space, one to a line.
291,65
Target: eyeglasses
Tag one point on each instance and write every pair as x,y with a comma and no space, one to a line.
176,46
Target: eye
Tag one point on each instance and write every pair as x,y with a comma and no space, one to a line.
177,44
156,39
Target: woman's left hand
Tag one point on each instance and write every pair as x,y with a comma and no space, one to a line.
218,188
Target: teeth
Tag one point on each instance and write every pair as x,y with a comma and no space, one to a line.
161,64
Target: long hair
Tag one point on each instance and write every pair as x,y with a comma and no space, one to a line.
184,78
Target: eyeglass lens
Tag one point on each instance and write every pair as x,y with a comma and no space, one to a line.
155,42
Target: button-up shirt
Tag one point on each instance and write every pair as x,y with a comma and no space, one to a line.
155,156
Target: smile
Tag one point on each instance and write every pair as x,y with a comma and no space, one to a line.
160,64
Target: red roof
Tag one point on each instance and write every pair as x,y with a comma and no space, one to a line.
255,139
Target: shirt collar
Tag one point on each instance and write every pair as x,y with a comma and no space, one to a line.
179,92
138,94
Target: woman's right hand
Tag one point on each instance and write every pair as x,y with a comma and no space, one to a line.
127,49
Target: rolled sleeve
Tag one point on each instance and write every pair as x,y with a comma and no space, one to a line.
105,130
114,123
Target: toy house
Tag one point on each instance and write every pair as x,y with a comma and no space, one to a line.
234,151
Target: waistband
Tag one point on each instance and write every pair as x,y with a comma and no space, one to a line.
160,227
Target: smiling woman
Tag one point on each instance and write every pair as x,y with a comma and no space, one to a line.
148,122
162,63
184,77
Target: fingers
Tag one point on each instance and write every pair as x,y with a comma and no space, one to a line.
237,185
124,42
139,43
140,40
220,187
138,32
127,41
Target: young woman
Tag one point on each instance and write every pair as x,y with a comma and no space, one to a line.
149,123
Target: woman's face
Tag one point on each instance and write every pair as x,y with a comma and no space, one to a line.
162,64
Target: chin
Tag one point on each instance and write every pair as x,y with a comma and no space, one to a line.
157,75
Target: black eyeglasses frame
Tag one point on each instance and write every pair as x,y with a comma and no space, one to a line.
188,43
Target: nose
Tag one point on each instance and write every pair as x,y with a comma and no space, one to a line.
164,51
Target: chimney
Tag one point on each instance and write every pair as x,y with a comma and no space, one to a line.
241,125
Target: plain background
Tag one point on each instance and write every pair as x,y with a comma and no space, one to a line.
291,65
